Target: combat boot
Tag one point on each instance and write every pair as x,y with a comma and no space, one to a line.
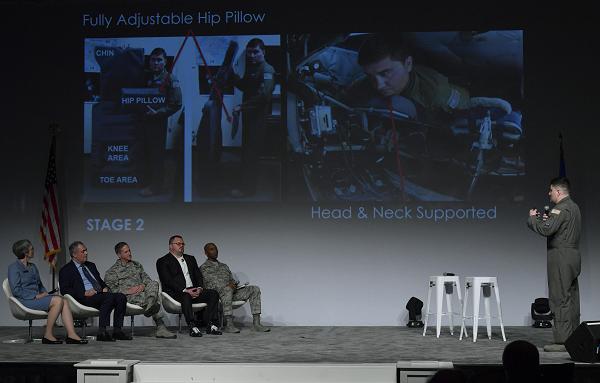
256,326
162,331
229,327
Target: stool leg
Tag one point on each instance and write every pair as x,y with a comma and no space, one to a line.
439,301
461,312
179,322
464,314
427,309
497,293
132,326
449,307
488,316
476,297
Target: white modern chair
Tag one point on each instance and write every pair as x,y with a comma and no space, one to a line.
81,312
174,307
131,311
21,312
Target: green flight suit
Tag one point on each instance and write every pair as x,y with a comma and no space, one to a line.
562,230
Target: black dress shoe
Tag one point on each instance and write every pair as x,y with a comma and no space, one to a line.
213,330
195,332
104,337
120,335
48,341
75,341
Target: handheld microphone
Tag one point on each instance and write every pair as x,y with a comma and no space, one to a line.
547,210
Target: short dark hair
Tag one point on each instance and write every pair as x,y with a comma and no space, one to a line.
561,182
379,46
159,51
119,246
207,245
21,247
256,42
73,247
173,237
521,359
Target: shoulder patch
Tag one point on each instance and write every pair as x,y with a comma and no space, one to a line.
555,211
454,98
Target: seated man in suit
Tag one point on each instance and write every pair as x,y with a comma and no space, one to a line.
180,277
81,280
218,276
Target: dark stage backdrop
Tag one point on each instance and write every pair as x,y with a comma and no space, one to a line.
353,208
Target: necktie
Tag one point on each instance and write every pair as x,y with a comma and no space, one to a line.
92,280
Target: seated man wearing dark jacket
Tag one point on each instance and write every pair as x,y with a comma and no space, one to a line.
80,279
180,277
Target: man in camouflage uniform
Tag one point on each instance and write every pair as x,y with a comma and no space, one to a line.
418,91
159,157
257,84
217,276
388,64
128,277
562,228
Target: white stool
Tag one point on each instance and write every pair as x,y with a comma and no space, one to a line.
477,283
439,282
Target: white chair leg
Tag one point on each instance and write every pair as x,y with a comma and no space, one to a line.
476,296
439,300
427,309
450,313
464,314
497,293
488,316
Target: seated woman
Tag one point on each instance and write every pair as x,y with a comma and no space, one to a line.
26,286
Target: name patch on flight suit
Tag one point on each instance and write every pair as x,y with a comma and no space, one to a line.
555,211
454,99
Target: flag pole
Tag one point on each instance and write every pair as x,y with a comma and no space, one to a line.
50,227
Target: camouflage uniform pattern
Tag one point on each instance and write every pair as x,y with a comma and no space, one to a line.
120,278
169,85
562,230
217,276
432,91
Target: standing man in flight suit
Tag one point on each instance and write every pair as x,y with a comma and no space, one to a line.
257,84
562,228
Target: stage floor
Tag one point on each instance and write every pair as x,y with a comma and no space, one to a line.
291,344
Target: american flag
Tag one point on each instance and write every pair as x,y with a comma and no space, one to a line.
50,227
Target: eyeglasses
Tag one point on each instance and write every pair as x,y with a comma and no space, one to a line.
179,243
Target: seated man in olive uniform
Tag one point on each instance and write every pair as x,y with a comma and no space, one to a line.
128,277
217,276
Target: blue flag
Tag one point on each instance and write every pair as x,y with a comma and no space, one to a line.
562,169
